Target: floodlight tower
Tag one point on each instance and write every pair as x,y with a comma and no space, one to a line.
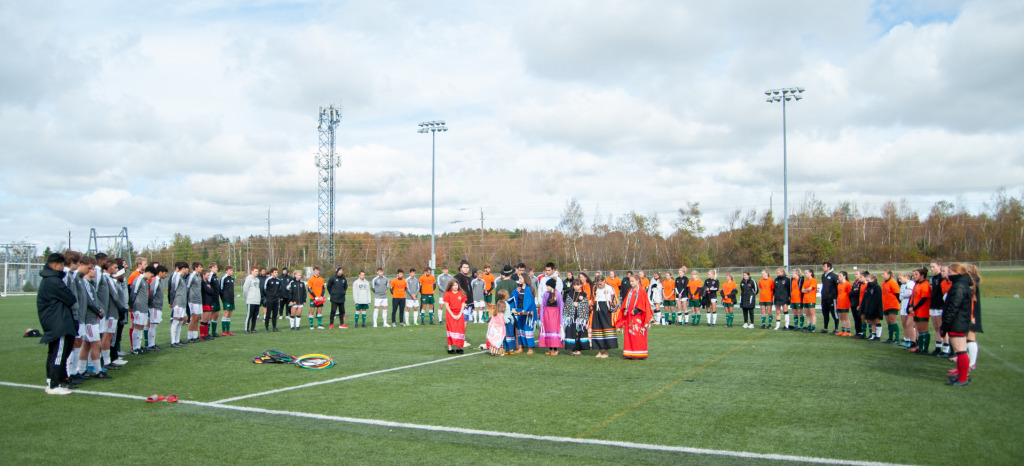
784,95
326,162
432,127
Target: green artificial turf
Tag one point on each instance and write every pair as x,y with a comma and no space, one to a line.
717,388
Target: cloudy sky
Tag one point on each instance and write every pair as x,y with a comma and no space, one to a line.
196,117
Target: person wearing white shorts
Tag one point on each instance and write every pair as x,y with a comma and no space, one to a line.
140,308
379,287
412,298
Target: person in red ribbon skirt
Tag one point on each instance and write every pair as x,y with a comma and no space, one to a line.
633,317
454,324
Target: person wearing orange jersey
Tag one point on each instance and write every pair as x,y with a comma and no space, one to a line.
843,306
920,307
891,305
488,279
796,300
427,282
729,293
765,294
315,288
668,288
809,292
397,288
613,281
695,289
644,281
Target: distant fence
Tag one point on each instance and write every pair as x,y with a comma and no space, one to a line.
875,268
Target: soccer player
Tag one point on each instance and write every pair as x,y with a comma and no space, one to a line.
809,290
488,278
613,281
766,291
208,297
694,297
782,289
285,276
843,305
412,298
337,286
253,297
380,297
53,304
668,289
178,297
682,304
442,287
109,299
796,299
920,308
194,290
711,286
214,282
859,284
296,292
871,306
140,308
227,298
891,305
937,301
89,316
748,299
362,294
829,294
315,288
156,306
906,316
427,281
272,293
397,288
479,288
729,296
655,297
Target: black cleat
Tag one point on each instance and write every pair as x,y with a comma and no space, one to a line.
104,375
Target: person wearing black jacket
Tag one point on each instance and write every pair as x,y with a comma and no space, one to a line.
682,303
957,319
214,282
710,299
465,282
227,297
625,286
53,303
209,296
937,304
285,278
855,304
783,288
871,307
337,286
829,294
272,297
748,299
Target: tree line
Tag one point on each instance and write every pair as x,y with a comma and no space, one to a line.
843,233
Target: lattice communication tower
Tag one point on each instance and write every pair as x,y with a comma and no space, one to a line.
327,162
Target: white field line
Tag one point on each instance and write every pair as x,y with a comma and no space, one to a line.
488,433
340,379
1008,363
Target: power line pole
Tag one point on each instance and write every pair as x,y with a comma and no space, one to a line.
270,245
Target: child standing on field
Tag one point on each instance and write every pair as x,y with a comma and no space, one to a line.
496,327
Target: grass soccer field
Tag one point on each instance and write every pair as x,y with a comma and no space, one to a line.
708,395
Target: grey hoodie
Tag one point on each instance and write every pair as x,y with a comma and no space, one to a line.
88,309
141,292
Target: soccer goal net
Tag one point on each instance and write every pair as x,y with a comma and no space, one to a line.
19,278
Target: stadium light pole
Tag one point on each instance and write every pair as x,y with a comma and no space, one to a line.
784,95
432,127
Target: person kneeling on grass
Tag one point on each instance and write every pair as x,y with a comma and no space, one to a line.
455,325
496,327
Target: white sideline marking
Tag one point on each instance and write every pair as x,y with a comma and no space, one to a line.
1008,363
488,433
339,379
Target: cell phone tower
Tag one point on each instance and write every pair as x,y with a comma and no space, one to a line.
326,162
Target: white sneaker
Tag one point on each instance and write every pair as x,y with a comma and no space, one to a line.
374,325
320,327
385,325
120,362
777,326
57,391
